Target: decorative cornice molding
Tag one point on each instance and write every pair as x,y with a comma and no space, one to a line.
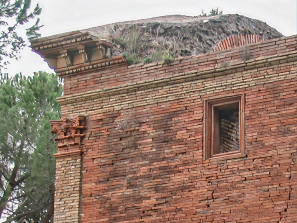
89,66
70,49
180,78
51,44
69,132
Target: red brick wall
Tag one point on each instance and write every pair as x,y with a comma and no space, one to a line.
143,149
104,77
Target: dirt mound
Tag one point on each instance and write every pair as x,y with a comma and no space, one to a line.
158,38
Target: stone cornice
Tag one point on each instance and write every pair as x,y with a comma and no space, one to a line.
180,78
51,46
66,51
90,65
48,44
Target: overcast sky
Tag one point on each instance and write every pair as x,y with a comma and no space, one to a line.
59,16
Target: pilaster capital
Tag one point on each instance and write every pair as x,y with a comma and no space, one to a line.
69,133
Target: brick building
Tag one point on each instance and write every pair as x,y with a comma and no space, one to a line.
207,138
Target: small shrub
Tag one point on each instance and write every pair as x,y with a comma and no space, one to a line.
215,12
147,60
129,60
212,12
132,59
168,59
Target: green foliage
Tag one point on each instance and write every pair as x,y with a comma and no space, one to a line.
164,56
131,59
147,60
168,59
212,12
26,146
15,13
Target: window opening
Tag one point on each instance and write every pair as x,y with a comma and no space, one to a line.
224,127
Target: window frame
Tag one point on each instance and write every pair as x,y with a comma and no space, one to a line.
211,127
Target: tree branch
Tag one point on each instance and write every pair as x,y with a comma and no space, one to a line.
25,214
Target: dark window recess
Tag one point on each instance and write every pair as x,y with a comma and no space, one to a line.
229,131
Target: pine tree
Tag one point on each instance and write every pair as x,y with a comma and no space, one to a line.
27,167
15,13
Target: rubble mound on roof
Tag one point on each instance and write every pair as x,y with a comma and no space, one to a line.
177,35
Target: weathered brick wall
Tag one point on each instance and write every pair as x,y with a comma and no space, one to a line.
68,183
99,76
143,149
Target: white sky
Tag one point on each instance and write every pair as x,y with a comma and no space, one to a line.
61,16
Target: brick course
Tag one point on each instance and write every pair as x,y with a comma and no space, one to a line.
142,155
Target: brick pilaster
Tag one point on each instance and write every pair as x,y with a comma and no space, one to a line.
69,133
67,194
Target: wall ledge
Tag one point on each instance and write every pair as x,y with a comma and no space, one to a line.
180,78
